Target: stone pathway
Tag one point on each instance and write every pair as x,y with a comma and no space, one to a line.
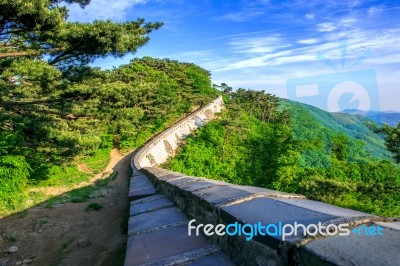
158,233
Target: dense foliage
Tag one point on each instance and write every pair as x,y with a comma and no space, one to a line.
392,139
119,108
291,150
55,109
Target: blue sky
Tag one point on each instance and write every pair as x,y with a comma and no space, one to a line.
282,47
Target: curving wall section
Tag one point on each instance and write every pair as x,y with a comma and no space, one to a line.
216,202
159,148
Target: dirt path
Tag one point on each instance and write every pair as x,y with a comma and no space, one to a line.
68,234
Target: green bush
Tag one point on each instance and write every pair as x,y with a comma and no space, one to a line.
14,174
94,206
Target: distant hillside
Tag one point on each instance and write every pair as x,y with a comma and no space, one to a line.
311,122
391,118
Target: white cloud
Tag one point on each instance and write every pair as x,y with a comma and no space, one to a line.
354,3
242,16
307,41
373,10
258,44
309,16
102,9
326,27
347,22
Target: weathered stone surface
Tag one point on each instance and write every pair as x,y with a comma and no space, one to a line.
181,180
141,193
139,208
154,219
138,174
138,178
268,192
158,245
26,261
394,225
192,186
140,187
4,261
323,207
157,171
169,176
270,211
187,257
12,249
354,249
218,258
83,242
219,194
147,199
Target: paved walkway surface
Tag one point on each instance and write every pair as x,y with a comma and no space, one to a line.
158,233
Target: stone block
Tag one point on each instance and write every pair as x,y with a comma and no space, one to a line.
155,219
169,176
219,194
267,192
155,246
323,208
138,208
142,192
181,180
192,186
218,258
354,249
394,225
147,199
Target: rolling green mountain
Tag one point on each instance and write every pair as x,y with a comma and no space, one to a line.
310,122
391,118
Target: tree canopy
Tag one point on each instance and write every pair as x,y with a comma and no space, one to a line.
56,109
392,139
39,29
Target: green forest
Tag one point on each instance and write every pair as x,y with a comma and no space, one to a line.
264,141
57,111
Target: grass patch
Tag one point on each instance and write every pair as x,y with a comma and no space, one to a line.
37,224
105,182
123,225
98,161
67,242
121,255
10,236
63,177
114,175
54,200
81,194
94,206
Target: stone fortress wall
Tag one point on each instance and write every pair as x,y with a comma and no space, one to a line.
215,202
163,145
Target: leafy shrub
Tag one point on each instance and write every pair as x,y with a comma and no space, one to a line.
14,174
94,206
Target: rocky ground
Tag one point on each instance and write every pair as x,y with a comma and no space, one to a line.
72,233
